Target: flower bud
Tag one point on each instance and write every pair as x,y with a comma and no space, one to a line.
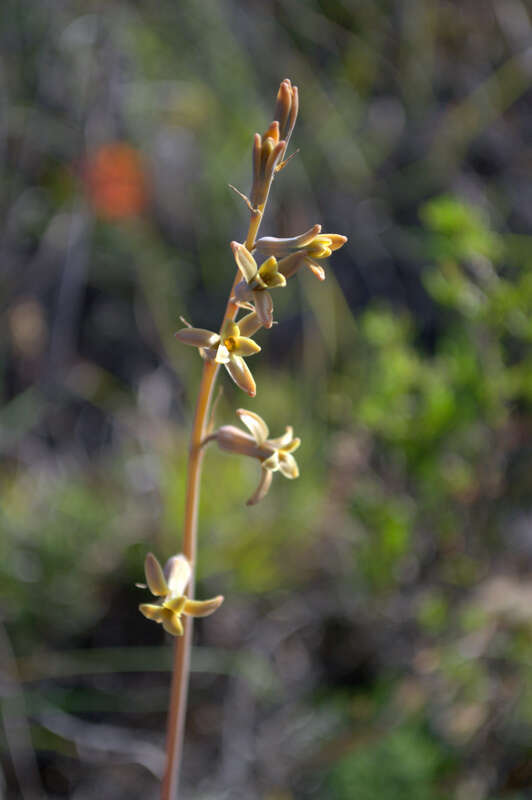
286,108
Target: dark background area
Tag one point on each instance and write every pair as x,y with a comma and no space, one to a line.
375,641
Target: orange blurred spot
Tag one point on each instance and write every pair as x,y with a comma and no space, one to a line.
115,181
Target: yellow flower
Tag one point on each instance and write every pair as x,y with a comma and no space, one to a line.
229,347
273,454
170,584
257,280
302,250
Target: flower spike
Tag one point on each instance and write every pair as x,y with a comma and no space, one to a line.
170,584
273,454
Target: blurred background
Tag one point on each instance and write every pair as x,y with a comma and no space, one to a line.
375,641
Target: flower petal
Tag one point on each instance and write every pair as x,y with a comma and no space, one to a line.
281,442
178,572
337,240
172,624
222,354
151,611
288,465
271,463
203,608
249,324
176,604
244,261
277,280
245,347
263,487
254,424
316,269
155,576
271,245
197,337
230,330
268,269
292,446
240,373
320,247
264,307
242,292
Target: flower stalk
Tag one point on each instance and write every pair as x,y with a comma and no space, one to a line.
279,260
183,645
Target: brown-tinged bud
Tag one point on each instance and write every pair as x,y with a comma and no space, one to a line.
272,132
286,108
267,153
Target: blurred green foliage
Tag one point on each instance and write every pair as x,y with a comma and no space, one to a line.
404,765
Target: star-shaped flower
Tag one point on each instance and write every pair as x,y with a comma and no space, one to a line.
229,347
257,280
302,250
170,584
273,454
